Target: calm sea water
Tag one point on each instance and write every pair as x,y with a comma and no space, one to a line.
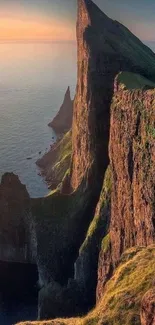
33,80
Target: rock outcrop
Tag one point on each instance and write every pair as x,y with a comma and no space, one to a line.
132,160
148,308
63,120
17,237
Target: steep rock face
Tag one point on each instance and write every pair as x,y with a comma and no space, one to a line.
105,47
87,263
132,158
148,308
61,223
63,120
17,239
56,162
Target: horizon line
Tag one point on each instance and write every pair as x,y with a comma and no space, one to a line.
36,41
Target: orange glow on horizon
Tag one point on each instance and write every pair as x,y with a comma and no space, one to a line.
34,27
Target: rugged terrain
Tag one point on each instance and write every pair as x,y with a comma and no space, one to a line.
94,233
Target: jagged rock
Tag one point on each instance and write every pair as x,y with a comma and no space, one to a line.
132,159
148,308
17,239
105,47
63,120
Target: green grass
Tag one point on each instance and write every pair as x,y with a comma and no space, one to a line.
98,221
128,80
59,161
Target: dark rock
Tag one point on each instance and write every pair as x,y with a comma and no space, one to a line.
17,240
63,120
87,263
57,301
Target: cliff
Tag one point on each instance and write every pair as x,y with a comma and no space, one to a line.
98,211
105,47
132,160
63,120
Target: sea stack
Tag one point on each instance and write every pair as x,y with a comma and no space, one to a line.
63,120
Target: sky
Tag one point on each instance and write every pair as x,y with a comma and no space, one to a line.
56,19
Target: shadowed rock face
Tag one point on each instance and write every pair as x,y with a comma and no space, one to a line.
63,120
15,221
132,158
105,47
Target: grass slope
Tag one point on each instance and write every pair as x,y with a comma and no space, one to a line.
128,80
56,162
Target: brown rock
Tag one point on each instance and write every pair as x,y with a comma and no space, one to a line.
148,308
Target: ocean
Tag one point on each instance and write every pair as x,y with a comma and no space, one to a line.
33,80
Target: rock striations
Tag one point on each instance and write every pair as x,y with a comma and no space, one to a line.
104,201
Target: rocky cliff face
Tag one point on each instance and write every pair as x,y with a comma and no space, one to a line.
17,239
132,158
63,120
105,47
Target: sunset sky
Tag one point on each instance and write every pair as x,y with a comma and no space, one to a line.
55,19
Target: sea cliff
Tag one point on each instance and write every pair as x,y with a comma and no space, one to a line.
95,231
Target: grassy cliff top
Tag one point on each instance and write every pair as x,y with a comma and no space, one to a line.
129,80
123,292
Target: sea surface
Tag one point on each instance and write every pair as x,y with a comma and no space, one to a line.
33,81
